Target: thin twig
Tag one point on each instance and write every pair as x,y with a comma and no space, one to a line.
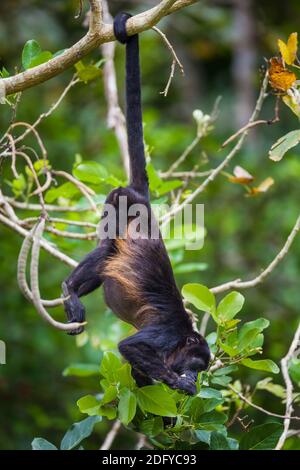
58,220
248,126
185,174
111,435
55,105
167,217
238,284
289,387
35,177
204,322
175,60
259,408
13,155
48,207
182,157
85,190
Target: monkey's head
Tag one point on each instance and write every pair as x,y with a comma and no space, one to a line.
191,357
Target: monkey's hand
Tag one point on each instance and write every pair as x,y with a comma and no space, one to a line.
187,384
74,309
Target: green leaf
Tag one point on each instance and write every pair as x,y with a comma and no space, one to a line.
154,180
294,370
209,420
211,338
292,103
263,364
168,186
125,378
4,73
19,185
89,72
200,296
223,380
246,339
190,268
40,59
66,190
127,406
225,370
194,408
157,185
110,365
203,436
208,392
260,324
156,400
263,437
39,443
78,432
81,370
257,342
218,442
285,143
90,172
276,389
89,405
152,427
110,395
30,50
109,411
230,306
230,350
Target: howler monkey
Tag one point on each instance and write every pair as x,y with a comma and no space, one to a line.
136,273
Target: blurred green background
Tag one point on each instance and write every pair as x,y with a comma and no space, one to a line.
222,45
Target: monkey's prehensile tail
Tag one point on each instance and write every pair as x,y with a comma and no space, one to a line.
138,175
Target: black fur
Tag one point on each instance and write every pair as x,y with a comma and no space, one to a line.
136,274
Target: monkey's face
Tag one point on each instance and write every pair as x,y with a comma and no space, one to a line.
192,357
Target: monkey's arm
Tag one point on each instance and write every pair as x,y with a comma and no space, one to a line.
146,358
85,278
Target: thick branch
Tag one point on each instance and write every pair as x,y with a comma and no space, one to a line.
44,244
98,34
34,276
289,387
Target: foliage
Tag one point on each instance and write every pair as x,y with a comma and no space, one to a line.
171,419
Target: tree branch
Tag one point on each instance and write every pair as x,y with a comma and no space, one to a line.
238,284
34,276
44,244
110,437
215,172
289,387
259,408
97,34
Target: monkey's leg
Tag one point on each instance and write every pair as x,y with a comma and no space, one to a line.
143,356
85,278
